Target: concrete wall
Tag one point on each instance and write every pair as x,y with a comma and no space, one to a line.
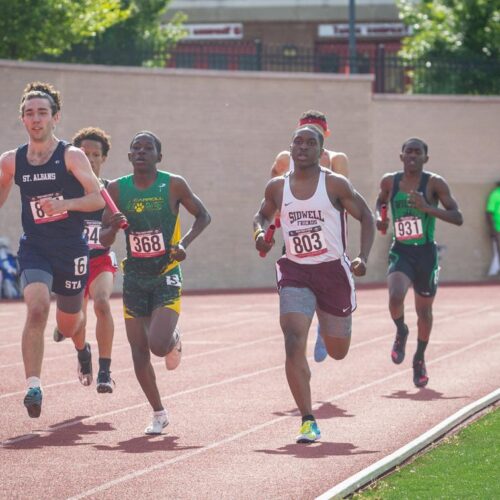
221,131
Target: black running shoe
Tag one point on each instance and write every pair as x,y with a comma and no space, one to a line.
33,401
420,377
398,348
57,335
84,367
105,384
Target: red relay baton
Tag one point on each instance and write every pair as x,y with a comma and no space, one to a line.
383,215
268,237
112,206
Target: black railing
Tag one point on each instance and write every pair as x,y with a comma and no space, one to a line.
392,74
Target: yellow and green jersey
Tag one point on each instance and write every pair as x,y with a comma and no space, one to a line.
411,225
153,227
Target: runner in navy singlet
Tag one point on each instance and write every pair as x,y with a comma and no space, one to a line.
56,184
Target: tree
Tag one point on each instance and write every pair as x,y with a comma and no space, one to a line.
30,29
454,46
140,39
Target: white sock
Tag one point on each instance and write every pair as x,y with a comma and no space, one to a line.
33,382
160,413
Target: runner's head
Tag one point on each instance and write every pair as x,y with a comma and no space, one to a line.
41,90
306,147
316,119
414,154
145,150
95,143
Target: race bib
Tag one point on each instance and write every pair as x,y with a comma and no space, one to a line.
39,216
147,244
92,230
307,242
408,228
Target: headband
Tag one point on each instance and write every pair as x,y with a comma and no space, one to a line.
314,121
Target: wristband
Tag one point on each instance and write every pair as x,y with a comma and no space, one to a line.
257,232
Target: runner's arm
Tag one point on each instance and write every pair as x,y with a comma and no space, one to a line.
7,170
111,222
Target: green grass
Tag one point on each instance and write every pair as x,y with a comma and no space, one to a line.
463,466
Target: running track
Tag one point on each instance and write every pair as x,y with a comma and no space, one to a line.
232,417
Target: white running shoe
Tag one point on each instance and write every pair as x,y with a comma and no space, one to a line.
173,358
157,425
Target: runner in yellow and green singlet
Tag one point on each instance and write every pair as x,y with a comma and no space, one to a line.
414,196
149,200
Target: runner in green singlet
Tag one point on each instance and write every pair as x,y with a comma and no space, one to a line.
414,196
149,201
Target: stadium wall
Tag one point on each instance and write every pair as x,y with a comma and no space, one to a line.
222,130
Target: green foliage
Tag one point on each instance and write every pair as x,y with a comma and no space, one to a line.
464,33
30,29
140,39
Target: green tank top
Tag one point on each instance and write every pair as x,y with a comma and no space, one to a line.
411,226
153,228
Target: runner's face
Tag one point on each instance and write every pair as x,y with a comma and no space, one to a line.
305,149
143,152
38,120
93,151
413,157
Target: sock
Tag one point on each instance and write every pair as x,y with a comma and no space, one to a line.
84,354
400,325
33,382
305,418
160,413
104,364
421,345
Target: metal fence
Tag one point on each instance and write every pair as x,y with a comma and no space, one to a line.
392,74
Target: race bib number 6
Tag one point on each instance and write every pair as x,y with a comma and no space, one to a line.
39,216
307,242
147,244
408,228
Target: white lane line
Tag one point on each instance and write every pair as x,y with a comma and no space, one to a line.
356,481
171,396
216,444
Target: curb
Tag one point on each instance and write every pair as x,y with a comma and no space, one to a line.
353,483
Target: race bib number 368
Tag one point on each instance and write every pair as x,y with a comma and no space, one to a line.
147,244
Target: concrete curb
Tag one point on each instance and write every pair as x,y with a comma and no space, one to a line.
372,472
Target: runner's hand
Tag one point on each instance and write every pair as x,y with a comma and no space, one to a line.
178,252
358,266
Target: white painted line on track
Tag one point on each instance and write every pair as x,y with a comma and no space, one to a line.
353,483
216,444
169,397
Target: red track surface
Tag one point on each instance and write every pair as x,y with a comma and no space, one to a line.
232,416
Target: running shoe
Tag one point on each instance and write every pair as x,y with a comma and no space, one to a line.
309,432
105,384
57,335
84,367
398,348
173,358
420,377
157,425
320,352
33,401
